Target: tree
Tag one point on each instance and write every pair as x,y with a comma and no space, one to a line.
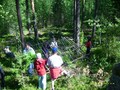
95,17
34,20
20,24
58,13
77,22
83,14
27,15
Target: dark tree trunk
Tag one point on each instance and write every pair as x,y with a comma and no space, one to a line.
83,14
20,24
95,17
27,16
34,21
77,22
58,13
74,21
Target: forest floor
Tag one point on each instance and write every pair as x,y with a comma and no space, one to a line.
83,74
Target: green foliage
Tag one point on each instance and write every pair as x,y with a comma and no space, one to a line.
20,68
107,53
28,87
89,7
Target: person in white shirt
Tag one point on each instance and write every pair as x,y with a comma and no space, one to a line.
28,49
8,53
55,62
54,43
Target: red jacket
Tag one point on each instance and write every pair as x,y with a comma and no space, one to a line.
88,44
39,65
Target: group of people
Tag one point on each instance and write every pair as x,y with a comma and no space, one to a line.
52,63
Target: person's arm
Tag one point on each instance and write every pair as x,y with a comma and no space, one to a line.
46,67
48,63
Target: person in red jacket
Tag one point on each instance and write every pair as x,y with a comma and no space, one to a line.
88,46
39,66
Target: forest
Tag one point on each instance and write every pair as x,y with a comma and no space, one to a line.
71,23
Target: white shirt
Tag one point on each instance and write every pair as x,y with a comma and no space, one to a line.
54,44
54,61
30,50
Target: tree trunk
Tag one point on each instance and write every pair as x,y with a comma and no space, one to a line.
20,24
27,16
95,17
77,22
74,20
58,13
83,14
34,21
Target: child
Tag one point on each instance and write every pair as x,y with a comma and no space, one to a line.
39,65
88,46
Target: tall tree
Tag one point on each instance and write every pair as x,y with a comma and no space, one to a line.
77,22
20,24
83,14
58,12
34,20
95,17
74,20
27,16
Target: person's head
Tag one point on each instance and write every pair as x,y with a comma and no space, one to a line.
54,50
89,38
27,45
38,55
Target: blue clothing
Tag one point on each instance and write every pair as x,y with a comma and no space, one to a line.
42,82
54,49
31,69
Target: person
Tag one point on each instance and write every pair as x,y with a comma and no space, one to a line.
8,53
114,80
88,46
45,49
54,63
28,49
31,69
39,66
2,76
54,43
